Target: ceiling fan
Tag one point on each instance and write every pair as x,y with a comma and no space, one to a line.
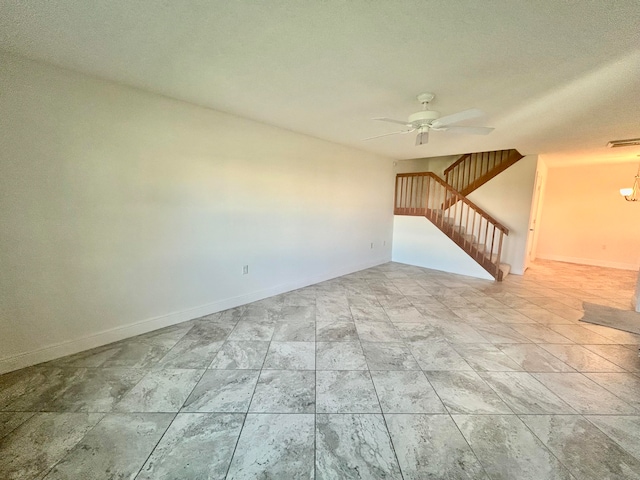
427,120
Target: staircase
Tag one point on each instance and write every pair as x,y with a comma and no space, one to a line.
445,204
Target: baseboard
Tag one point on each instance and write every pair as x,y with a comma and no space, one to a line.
51,352
590,261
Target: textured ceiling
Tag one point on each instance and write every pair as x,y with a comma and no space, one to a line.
558,78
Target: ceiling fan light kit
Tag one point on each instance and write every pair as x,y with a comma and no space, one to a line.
426,120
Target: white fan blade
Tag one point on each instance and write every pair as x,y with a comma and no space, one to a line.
457,117
387,134
469,130
422,138
391,120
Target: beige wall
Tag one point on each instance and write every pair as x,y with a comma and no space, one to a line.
122,211
585,220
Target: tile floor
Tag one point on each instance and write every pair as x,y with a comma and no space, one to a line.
393,372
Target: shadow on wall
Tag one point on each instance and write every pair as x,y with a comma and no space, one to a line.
626,320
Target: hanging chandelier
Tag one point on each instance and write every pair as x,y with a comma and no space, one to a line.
631,194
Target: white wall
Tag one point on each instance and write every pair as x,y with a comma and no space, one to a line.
123,211
585,219
507,197
417,241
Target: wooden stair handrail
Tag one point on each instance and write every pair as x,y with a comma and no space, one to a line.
459,197
456,163
472,170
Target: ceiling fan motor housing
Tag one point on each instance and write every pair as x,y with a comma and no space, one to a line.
425,117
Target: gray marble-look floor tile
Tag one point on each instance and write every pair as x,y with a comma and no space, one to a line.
80,390
508,450
338,331
92,358
303,297
40,442
500,333
190,352
583,394
545,317
9,421
618,354
117,447
458,332
437,355
617,336
301,313
581,359
623,429
378,332
581,335
252,331
145,350
345,392
540,334
419,332
21,388
198,347
406,392
583,448
625,386
160,391
389,356
466,392
533,358
509,316
225,391
291,356
295,331
432,447
285,391
354,446
240,356
486,357
275,446
369,313
403,313
332,310
524,394
340,356
196,445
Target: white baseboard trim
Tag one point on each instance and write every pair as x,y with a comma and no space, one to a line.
590,261
51,352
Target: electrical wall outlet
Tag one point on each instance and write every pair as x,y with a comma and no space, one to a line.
245,269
